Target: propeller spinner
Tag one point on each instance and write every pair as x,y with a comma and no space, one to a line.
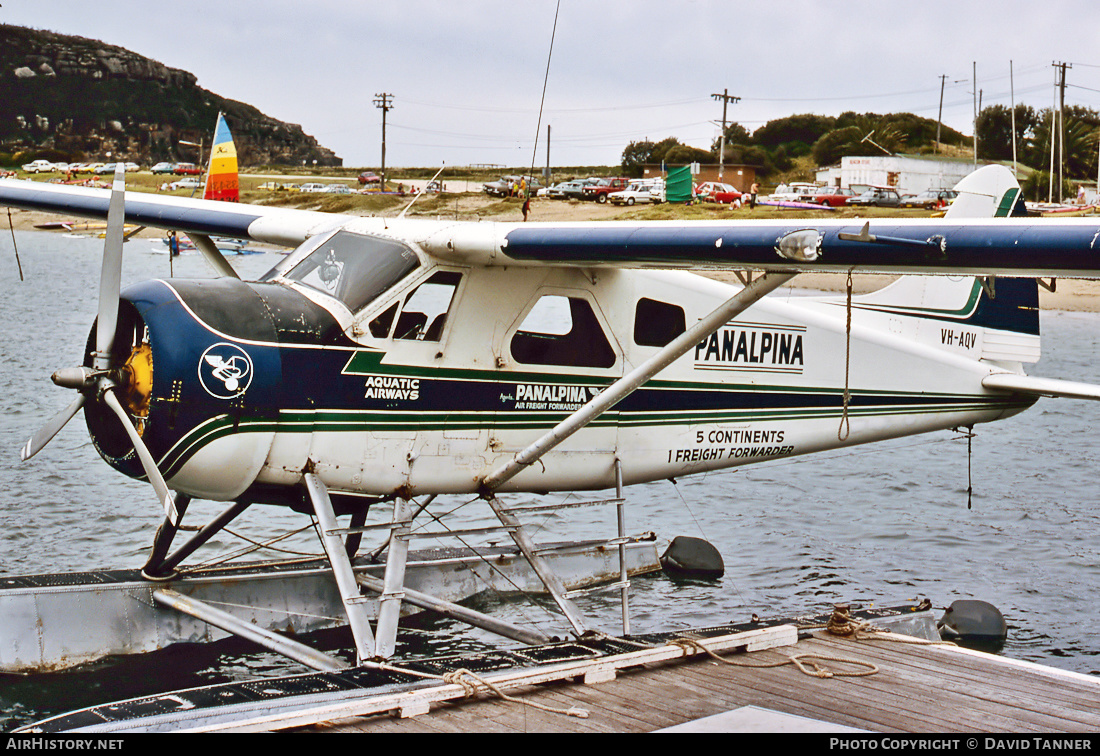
114,367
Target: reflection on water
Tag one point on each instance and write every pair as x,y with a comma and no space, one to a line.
879,524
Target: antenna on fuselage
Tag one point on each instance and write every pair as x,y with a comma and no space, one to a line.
414,199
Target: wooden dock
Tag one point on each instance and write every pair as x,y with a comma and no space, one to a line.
917,688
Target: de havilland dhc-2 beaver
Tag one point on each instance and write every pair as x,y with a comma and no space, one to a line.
387,359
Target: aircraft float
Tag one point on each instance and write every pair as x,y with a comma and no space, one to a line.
387,360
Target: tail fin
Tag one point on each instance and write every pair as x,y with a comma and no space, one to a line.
989,192
982,319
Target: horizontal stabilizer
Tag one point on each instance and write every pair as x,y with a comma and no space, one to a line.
1041,386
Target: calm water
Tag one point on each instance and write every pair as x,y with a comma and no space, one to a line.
883,524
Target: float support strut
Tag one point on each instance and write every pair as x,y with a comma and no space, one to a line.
546,575
393,582
299,652
353,600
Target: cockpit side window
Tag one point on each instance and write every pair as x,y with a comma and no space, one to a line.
425,311
380,326
354,268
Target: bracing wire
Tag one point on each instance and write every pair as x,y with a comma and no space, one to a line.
542,104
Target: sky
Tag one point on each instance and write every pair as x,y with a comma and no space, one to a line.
467,76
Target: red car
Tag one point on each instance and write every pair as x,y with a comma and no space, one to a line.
186,169
834,196
369,177
713,191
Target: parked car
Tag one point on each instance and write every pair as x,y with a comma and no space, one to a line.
575,189
505,186
930,199
337,189
634,193
657,192
163,168
186,169
39,166
369,177
793,192
833,196
502,187
110,168
186,183
313,187
715,191
879,196
560,189
600,190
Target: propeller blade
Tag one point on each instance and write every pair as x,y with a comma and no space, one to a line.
50,429
110,277
163,494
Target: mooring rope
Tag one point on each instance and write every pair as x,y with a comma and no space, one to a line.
14,245
843,624
811,668
845,426
470,682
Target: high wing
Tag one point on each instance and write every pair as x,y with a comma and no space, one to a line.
1013,247
273,225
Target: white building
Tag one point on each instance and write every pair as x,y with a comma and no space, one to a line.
910,174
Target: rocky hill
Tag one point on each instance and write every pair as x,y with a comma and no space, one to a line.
75,99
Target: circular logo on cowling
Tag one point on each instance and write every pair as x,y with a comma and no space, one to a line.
225,371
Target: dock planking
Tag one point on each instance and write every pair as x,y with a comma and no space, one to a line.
918,688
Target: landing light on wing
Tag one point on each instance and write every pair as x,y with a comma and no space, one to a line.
801,246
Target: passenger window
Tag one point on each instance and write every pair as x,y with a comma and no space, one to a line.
562,331
425,311
657,323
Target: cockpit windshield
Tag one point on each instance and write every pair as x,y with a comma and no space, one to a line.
354,268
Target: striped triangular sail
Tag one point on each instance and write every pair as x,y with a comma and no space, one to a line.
221,179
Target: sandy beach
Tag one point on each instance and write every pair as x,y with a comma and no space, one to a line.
1070,294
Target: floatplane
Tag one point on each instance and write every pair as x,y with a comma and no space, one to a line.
389,360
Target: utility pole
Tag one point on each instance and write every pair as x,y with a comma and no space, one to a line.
1061,125
385,102
975,93
939,119
1012,94
726,99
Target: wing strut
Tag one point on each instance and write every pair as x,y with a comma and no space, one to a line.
623,387
213,255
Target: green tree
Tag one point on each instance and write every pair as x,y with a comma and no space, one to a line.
806,128
1079,152
661,149
736,134
838,143
636,155
995,131
682,154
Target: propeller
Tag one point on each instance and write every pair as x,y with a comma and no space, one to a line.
99,382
